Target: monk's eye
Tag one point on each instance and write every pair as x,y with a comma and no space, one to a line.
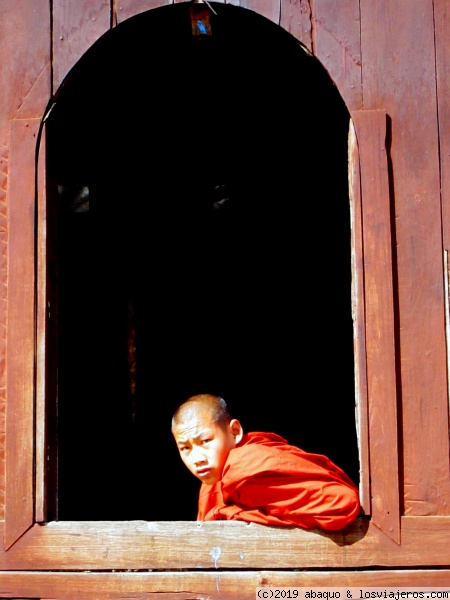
184,448
206,441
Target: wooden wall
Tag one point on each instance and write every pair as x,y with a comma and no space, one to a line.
384,56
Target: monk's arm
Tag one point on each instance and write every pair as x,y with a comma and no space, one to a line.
282,487
277,500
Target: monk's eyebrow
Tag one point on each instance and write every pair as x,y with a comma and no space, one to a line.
192,437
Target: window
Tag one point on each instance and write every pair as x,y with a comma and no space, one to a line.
70,188
202,243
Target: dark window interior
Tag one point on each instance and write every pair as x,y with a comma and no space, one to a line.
201,243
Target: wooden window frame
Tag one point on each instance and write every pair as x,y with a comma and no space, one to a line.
386,539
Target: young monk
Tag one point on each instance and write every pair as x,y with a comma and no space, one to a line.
258,476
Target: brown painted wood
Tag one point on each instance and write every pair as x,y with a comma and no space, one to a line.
3,317
295,17
141,545
25,79
336,43
212,585
77,24
42,310
442,28
124,9
399,75
379,320
358,314
3,242
267,8
25,27
20,349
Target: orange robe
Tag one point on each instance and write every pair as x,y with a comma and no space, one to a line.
266,480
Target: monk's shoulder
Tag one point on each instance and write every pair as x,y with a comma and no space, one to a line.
256,450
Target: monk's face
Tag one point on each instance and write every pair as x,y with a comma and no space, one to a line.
204,445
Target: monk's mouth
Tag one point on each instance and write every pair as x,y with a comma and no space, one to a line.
203,472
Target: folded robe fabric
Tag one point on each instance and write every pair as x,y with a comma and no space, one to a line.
266,480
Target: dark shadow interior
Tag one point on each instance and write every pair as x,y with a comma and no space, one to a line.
201,244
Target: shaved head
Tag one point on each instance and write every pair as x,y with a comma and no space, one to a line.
205,434
214,406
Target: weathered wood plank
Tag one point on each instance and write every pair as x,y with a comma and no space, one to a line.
41,320
3,275
128,8
25,76
442,26
20,348
295,17
77,24
379,320
267,8
25,84
358,314
212,585
399,75
336,43
141,545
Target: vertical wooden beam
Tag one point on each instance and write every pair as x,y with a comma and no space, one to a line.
399,74
359,324
379,319
25,79
442,35
41,320
21,343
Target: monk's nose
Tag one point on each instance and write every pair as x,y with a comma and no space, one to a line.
197,455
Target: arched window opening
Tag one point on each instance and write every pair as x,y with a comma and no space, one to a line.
200,240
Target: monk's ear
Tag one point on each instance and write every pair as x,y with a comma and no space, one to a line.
236,430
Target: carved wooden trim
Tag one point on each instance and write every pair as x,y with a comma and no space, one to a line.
359,327
21,344
142,545
370,128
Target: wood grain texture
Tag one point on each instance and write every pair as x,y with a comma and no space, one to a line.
3,320
442,29
379,320
4,165
399,76
167,545
2,424
267,8
295,17
41,325
337,44
25,76
20,349
25,84
77,24
193,585
359,324
124,9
